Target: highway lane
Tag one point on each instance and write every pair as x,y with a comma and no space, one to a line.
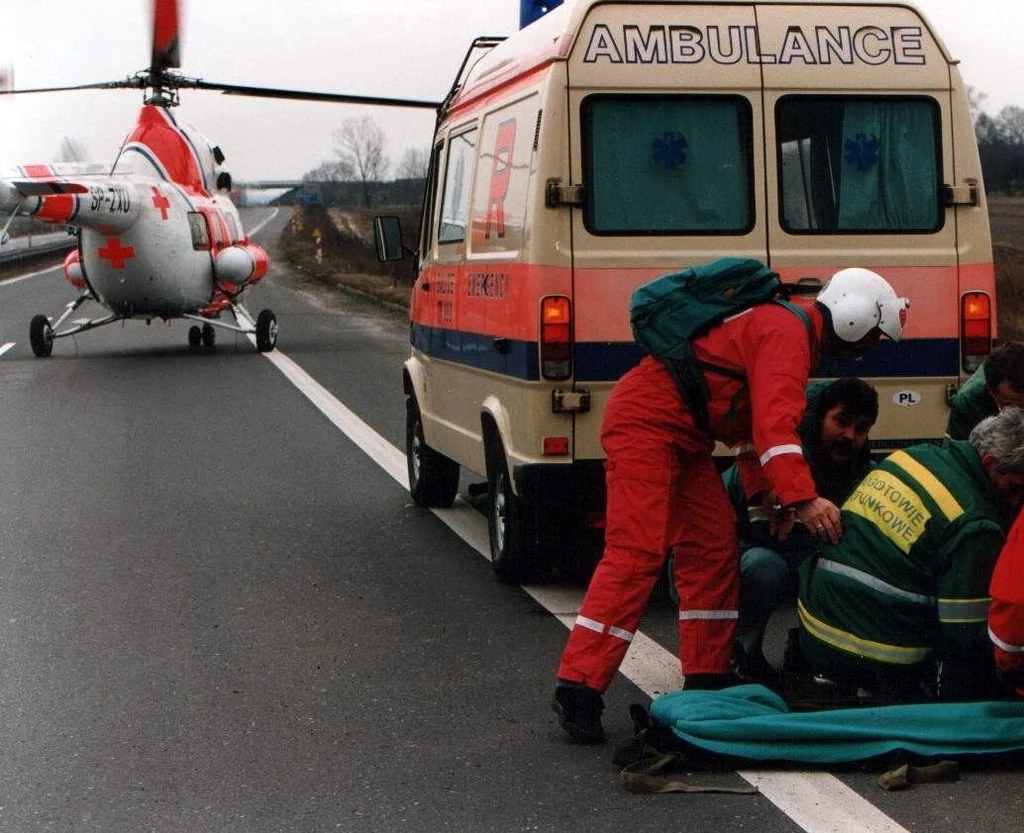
819,803
220,614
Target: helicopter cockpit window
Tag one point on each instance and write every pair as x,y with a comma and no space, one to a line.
218,229
200,232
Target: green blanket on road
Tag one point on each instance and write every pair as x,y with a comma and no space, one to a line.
752,722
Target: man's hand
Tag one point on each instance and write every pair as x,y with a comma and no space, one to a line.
821,517
780,519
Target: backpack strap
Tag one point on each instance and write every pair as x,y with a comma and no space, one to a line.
688,374
799,312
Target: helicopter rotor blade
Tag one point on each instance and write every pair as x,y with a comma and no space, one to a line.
165,48
100,85
143,80
309,95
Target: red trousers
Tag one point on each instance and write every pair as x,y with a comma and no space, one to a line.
664,494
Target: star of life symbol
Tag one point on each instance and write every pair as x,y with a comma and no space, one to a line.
670,150
861,151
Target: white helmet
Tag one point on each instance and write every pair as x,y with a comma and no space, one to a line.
860,300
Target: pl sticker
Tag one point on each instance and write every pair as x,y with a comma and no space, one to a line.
906,398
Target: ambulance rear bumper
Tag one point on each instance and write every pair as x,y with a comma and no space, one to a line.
572,483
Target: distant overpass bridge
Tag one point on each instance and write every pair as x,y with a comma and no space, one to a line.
271,184
265,185
349,193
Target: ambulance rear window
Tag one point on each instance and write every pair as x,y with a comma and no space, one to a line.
856,164
667,164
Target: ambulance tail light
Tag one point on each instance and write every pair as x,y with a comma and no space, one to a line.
975,329
556,337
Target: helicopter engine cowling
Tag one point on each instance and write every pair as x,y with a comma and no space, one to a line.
74,274
240,264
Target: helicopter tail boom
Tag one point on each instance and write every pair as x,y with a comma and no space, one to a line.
106,204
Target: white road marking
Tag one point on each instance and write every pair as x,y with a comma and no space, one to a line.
5,347
817,801
263,222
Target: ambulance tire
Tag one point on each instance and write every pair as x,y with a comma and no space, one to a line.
514,553
433,478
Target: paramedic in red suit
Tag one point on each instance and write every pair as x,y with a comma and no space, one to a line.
665,494
1006,611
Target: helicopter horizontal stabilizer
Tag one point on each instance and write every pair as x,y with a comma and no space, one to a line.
43,187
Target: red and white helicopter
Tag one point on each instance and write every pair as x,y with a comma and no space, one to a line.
158,236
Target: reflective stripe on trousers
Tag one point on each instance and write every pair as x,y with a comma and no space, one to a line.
659,498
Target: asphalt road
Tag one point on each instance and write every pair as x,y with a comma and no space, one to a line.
221,612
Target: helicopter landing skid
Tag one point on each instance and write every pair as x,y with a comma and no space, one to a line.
42,333
265,328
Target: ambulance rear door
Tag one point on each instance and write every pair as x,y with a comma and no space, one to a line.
665,134
859,148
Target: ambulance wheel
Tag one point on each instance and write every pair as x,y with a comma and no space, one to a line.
195,336
266,331
40,336
433,478
514,550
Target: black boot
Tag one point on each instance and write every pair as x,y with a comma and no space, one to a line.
579,713
752,668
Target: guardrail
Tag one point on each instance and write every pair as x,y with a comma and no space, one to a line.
32,246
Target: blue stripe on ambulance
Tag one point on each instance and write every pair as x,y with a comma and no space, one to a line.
601,361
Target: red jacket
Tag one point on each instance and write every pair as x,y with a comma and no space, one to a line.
1006,612
771,346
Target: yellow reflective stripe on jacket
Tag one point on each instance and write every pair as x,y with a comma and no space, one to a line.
852,644
891,506
963,611
949,505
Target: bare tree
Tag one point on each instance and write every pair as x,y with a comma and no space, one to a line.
975,100
361,145
414,164
339,171
1011,122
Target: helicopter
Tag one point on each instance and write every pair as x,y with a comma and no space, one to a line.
158,235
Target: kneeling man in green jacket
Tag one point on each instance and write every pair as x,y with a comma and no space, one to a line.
899,606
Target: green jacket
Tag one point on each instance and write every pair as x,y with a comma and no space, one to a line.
909,578
970,405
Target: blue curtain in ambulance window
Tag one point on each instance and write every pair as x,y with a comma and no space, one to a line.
668,166
889,177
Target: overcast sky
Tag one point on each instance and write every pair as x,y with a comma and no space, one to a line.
406,48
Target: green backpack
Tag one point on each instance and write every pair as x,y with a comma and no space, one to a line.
668,312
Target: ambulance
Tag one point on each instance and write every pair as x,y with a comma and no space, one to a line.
610,142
